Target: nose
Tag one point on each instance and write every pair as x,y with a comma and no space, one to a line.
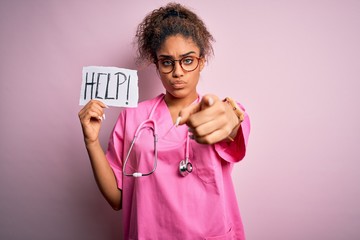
178,71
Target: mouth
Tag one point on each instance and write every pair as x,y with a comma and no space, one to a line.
178,84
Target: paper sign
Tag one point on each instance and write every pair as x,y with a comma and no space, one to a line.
110,85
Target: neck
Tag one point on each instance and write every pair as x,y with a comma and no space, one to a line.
176,104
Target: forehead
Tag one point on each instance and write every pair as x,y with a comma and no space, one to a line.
178,45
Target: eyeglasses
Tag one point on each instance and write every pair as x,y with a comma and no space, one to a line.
188,64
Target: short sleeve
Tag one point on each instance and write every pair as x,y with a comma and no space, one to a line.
235,151
115,149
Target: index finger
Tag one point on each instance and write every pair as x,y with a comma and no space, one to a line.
185,113
100,103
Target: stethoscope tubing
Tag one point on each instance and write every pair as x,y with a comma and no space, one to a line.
185,167
137,134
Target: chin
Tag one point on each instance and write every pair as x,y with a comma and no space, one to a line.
180,93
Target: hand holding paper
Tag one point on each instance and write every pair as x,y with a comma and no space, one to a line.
91,116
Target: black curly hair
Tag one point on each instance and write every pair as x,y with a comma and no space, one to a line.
166,21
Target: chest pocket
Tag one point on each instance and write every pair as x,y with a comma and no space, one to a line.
205,162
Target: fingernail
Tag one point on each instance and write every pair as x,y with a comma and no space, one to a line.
178,121
103,116
100,118
211,101
106,106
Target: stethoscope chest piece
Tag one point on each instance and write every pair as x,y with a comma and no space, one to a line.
185,167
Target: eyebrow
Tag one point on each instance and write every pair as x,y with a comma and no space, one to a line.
181,56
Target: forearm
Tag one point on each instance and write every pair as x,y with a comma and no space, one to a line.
104,175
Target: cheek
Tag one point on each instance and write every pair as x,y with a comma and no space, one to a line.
195,76
164,80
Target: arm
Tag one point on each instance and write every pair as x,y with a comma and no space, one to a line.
91,117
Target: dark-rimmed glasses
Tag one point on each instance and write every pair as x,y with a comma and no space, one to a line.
188,64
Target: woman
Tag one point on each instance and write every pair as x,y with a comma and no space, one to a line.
174,180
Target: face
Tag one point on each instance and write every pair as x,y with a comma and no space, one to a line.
180,84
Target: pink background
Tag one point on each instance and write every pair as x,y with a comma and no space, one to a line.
295,65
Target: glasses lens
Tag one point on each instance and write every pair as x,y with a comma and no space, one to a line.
166,65
189,63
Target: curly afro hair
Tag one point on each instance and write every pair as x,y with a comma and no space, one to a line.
166,21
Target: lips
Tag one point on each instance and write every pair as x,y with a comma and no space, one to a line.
178,84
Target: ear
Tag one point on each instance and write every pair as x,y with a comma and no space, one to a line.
157,71
202,62
156,64
157,67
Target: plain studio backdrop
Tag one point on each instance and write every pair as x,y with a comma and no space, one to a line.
295,65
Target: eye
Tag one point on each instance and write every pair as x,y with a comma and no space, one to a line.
187,61
166,62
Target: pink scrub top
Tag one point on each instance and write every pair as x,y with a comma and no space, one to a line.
166,205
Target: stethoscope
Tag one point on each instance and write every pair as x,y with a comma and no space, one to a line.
185,166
